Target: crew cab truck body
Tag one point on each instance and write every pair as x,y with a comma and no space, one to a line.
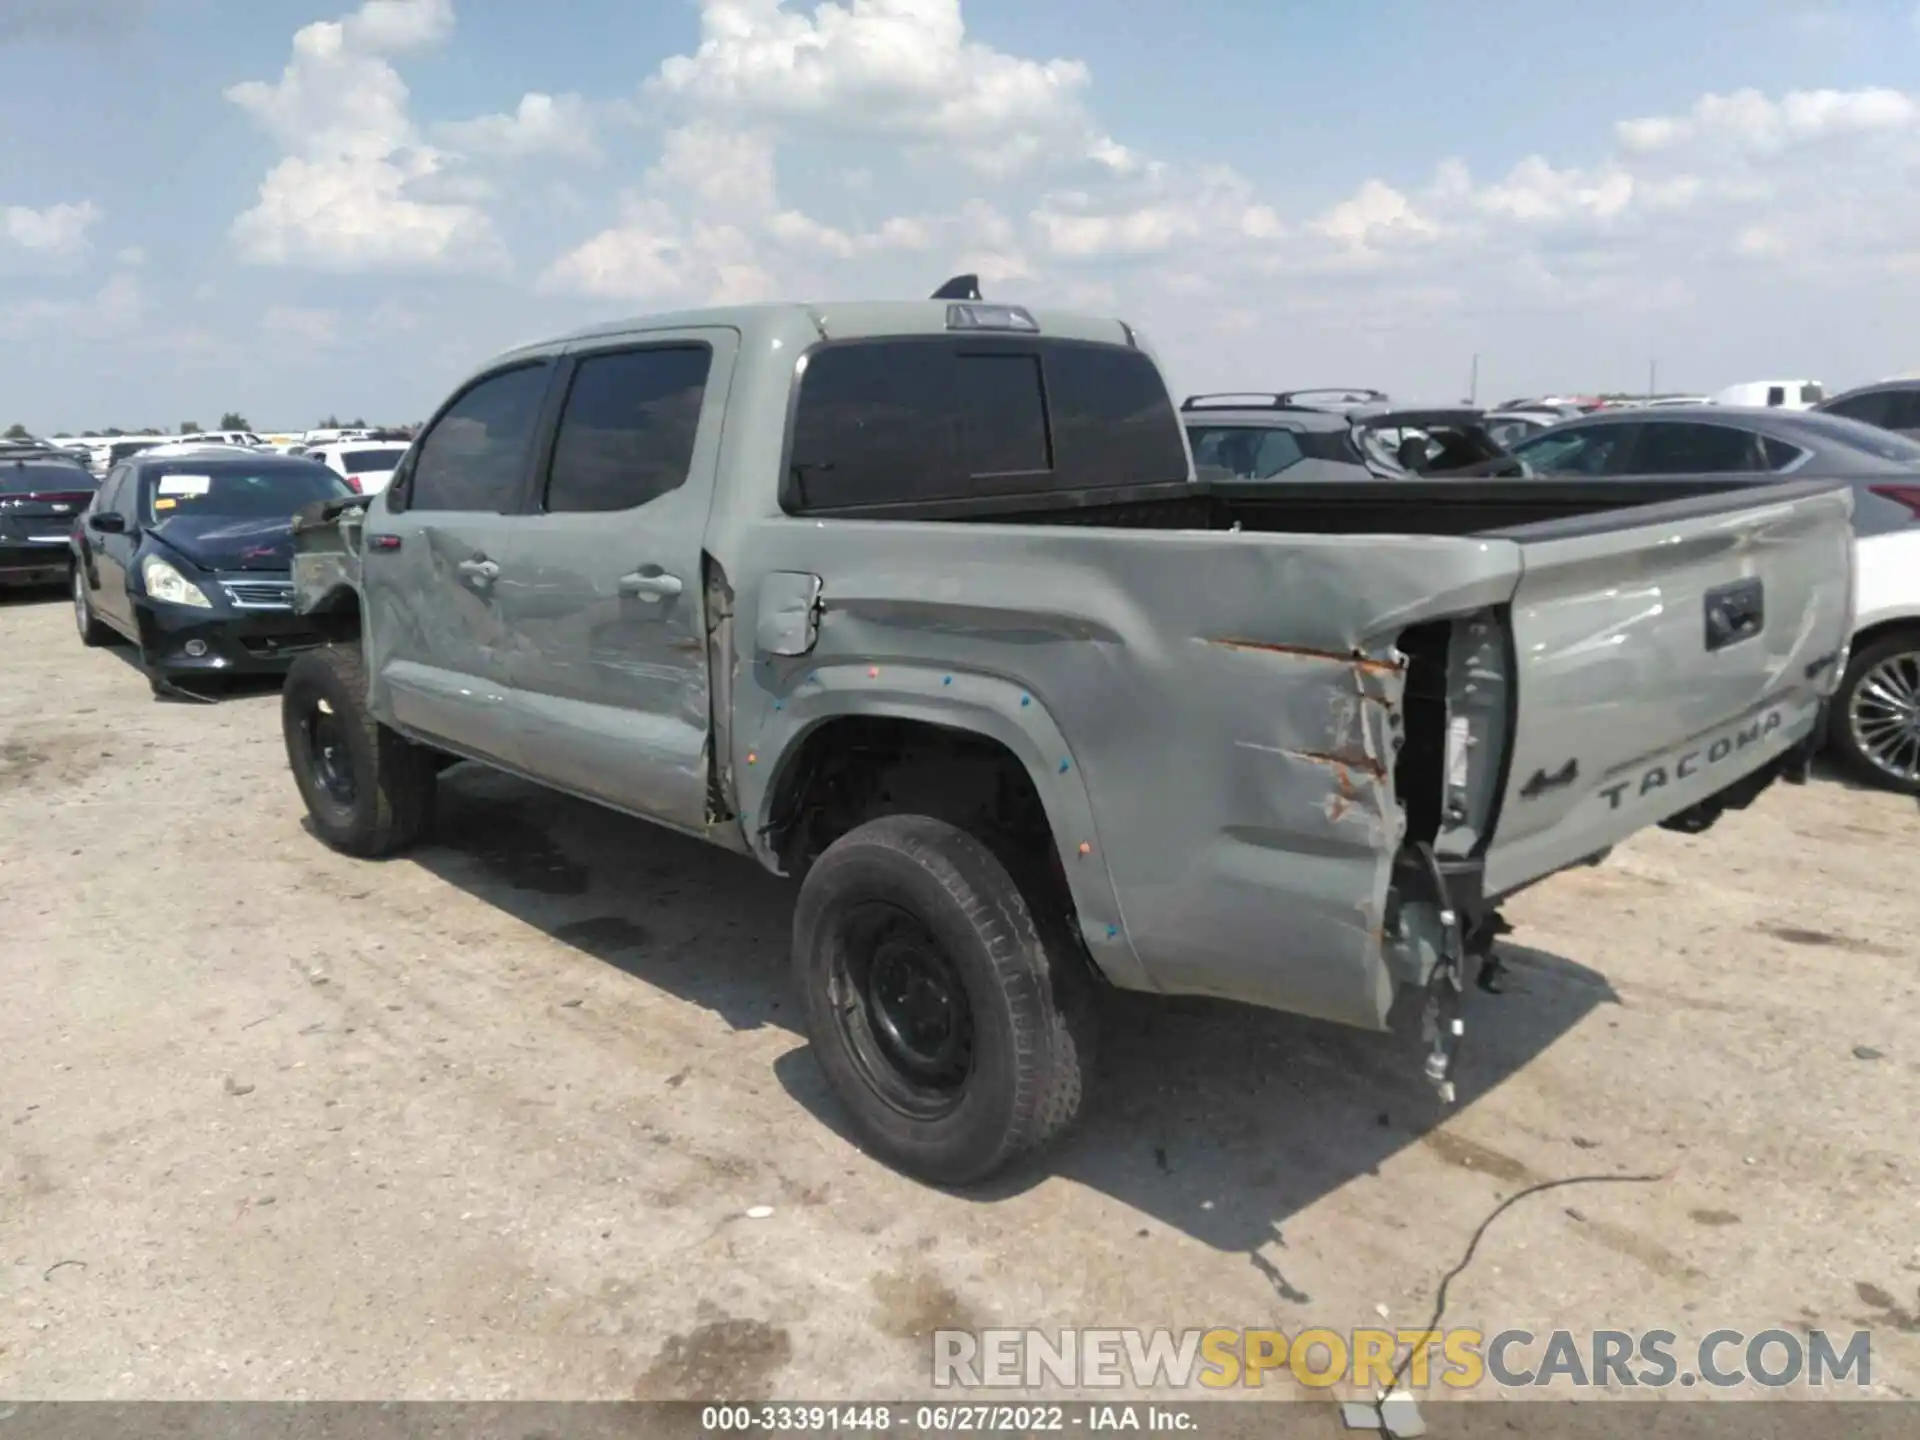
921,603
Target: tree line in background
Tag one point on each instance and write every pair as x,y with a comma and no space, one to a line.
232,420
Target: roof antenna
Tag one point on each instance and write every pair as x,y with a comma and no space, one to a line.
960,287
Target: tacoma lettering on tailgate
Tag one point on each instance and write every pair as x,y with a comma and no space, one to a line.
1690,763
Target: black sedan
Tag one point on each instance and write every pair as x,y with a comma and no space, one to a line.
40,496
189,557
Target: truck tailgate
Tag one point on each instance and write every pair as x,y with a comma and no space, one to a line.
1662,653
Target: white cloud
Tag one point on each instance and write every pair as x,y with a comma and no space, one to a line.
314,326
1377,210
392,27
919,150
898,69
717,169
1748,120
355,187
108,312
58,231
559,126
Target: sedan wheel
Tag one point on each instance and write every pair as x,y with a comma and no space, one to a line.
1878,721
92,632
1885,715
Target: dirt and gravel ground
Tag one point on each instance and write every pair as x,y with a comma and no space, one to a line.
485,1122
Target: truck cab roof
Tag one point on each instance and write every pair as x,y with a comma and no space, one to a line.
806,324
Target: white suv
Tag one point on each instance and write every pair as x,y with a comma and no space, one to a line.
366,465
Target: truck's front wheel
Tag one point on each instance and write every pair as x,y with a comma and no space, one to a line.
953,1037
369,790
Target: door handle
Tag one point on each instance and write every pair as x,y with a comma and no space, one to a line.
651,588
481,572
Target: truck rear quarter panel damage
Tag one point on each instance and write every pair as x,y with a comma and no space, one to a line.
1209,720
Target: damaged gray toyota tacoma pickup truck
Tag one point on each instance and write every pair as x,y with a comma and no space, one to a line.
921,604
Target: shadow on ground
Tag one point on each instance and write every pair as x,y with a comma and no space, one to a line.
1217,1120
199,690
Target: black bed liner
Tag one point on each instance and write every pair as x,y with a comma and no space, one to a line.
1424,505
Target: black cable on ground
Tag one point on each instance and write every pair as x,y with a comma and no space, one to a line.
1440,1300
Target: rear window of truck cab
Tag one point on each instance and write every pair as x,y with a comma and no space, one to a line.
908,420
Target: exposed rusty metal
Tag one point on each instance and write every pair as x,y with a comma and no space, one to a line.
1355,658
1342,763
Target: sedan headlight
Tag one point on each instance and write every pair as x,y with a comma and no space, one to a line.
166,584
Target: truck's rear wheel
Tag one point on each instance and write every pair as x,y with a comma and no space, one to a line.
952,1036
369,790
1876,714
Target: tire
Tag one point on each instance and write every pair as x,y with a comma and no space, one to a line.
1882,683
908,895
93,634
386,800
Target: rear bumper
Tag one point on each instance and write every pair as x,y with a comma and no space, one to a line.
229,644
23,563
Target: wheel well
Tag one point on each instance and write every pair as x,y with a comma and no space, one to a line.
857,768
1884,628
337,617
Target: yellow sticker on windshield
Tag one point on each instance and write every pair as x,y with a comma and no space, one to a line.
165,502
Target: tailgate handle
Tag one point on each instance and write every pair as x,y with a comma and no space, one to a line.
1542,782
1735,612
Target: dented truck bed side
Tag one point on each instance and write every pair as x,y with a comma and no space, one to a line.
1218,723
1217,769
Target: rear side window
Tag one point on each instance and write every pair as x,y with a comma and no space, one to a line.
371,461
1780,454
1865,439
1812,394
902,421
626,435
1686,448
1903,410
474,456
1873,408
1776,395
1244,452
1592,451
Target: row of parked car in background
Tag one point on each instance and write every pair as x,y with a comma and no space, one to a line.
364,456
718,572
1295,439
1671,446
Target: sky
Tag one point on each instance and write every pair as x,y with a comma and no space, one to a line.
290,208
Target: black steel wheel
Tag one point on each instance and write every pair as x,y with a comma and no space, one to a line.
955,1036
903,1010
369,790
